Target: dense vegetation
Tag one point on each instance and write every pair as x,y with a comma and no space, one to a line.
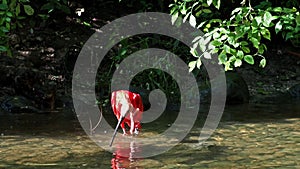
236,30
42,39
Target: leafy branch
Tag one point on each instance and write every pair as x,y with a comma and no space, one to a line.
239,38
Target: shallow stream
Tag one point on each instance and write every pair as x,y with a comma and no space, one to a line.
249,136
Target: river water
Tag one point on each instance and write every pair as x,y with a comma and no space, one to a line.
248,136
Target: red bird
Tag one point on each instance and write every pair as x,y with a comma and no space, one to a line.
128,108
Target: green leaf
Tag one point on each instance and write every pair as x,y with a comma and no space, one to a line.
249,59
209,2
244,43
193,21
254,30
240,54
216,43
231,39
178,22
226,48
194,4
275,17
277,9
21,17
18,10
3,48
7,19
216,35
174,18
207,55
236,10
255,42
237,63
123,51
228,66
261,49
201,24
28,10
4,29
192,65
196,39
236,45
183,10
217,3
199,63
3,6
198,13
12,5
289,35
278,27
224,37
266,33
194,52
238,17
258,20
172,11
7,25
267,19
202,47
206,10
222,58
9,14
245,49
87,24
186,16
262,63
233,51
298,19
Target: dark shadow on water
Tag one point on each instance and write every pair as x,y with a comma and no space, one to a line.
262,112
57,123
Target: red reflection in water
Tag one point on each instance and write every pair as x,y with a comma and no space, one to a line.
126,155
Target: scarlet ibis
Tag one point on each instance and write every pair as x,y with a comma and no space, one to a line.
128,108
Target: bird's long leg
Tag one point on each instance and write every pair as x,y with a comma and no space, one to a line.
132,114
131,123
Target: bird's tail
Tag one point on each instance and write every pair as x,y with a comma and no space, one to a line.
116,129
